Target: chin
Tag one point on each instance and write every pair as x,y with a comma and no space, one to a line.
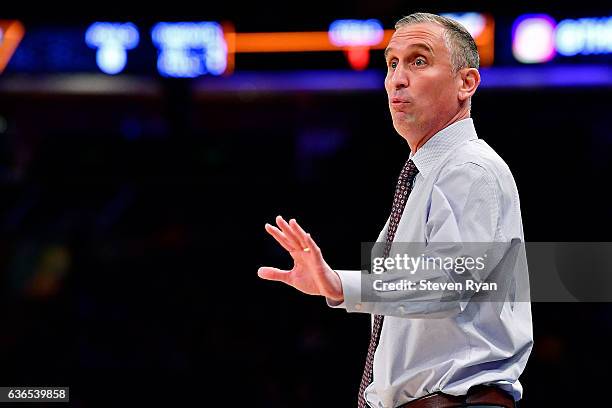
403,121
401,130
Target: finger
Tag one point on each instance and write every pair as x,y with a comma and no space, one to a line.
300,233
311,243
274,274
289,233
279,237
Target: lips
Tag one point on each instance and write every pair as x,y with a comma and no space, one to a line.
398,104
398,101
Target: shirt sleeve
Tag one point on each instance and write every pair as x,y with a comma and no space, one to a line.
464,208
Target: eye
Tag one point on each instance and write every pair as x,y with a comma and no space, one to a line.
420,62
393,64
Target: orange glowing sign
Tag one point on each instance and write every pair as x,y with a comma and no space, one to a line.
319,41
11,33
310,41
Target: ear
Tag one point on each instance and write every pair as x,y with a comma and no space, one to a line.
470,79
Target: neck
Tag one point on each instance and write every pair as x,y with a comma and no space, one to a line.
415,143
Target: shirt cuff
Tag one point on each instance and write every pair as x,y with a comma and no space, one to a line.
351,289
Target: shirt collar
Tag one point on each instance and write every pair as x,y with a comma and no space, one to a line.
442,143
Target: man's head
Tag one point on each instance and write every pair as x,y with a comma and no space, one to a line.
432,73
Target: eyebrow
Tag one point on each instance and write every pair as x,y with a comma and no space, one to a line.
422,46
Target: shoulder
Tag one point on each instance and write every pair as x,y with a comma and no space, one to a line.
475,161
468,190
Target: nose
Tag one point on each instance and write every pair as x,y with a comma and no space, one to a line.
399,78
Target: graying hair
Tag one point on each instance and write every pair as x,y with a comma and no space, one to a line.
459,42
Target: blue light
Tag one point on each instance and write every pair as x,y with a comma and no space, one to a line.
551,76
584,36
112,41
111,60
188,50
521,77
345,33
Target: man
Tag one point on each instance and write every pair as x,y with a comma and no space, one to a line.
454,188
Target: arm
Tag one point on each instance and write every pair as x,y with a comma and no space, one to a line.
464,208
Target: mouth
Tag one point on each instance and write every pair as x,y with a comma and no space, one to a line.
399,104
399,100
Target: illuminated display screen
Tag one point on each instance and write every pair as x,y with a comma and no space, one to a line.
207,48
193,49
538,38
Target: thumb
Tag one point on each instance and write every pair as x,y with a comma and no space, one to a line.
274,274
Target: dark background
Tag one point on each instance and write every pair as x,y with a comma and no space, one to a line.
131,227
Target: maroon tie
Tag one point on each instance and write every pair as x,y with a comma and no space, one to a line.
402,190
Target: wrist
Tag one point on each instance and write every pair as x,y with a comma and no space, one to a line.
337,292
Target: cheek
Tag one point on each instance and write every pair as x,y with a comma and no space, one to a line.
441,88
387,84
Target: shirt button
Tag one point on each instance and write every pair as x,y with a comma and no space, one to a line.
358,306
402,309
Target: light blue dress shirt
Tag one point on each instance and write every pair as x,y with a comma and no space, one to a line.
464,192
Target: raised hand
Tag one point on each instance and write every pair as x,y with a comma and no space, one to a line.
310,273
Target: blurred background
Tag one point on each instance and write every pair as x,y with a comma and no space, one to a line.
142,150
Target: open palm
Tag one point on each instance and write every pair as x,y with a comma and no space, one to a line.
310,273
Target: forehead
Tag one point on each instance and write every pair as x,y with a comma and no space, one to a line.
429,34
